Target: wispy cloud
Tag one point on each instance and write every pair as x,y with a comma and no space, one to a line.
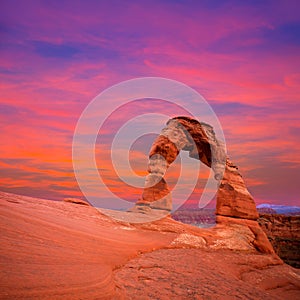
243,57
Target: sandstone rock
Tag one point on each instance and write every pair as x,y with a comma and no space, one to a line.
156,190
181,133
50,250
76,201
189,241
199,274
284,235
203,144
260,240
184,133
233,198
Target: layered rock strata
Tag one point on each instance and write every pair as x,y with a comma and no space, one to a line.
233,197
199,139
234,202
284,235
62,250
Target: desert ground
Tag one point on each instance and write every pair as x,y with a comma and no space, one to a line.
63,250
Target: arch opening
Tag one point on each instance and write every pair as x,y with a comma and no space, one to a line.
199,139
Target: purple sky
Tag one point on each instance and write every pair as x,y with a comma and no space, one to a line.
242,56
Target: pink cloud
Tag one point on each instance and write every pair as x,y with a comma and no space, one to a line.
231,54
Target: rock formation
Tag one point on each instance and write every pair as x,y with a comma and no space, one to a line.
233,198
184,133
181,133
234,202
76,201
58,250
284,235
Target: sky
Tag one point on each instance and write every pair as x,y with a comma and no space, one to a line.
243,57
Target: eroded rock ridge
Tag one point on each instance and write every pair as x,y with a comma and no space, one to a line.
199,139
235,205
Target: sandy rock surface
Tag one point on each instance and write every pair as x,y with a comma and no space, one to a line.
61,250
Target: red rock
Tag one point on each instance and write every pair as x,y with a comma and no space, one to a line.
76,201
284,235
54,250
184,133
181,133
260,240
197,274
233,198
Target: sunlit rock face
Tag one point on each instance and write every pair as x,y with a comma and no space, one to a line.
284,235
235,205
180,133
199,139
204,145
233,198
64,250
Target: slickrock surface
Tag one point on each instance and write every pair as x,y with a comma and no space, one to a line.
61,250
284,234
193,274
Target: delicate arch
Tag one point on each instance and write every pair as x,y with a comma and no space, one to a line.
185,133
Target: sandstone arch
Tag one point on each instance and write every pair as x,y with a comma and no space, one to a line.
187,134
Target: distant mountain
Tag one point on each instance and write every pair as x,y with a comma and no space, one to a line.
207,216
278,209
266,210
